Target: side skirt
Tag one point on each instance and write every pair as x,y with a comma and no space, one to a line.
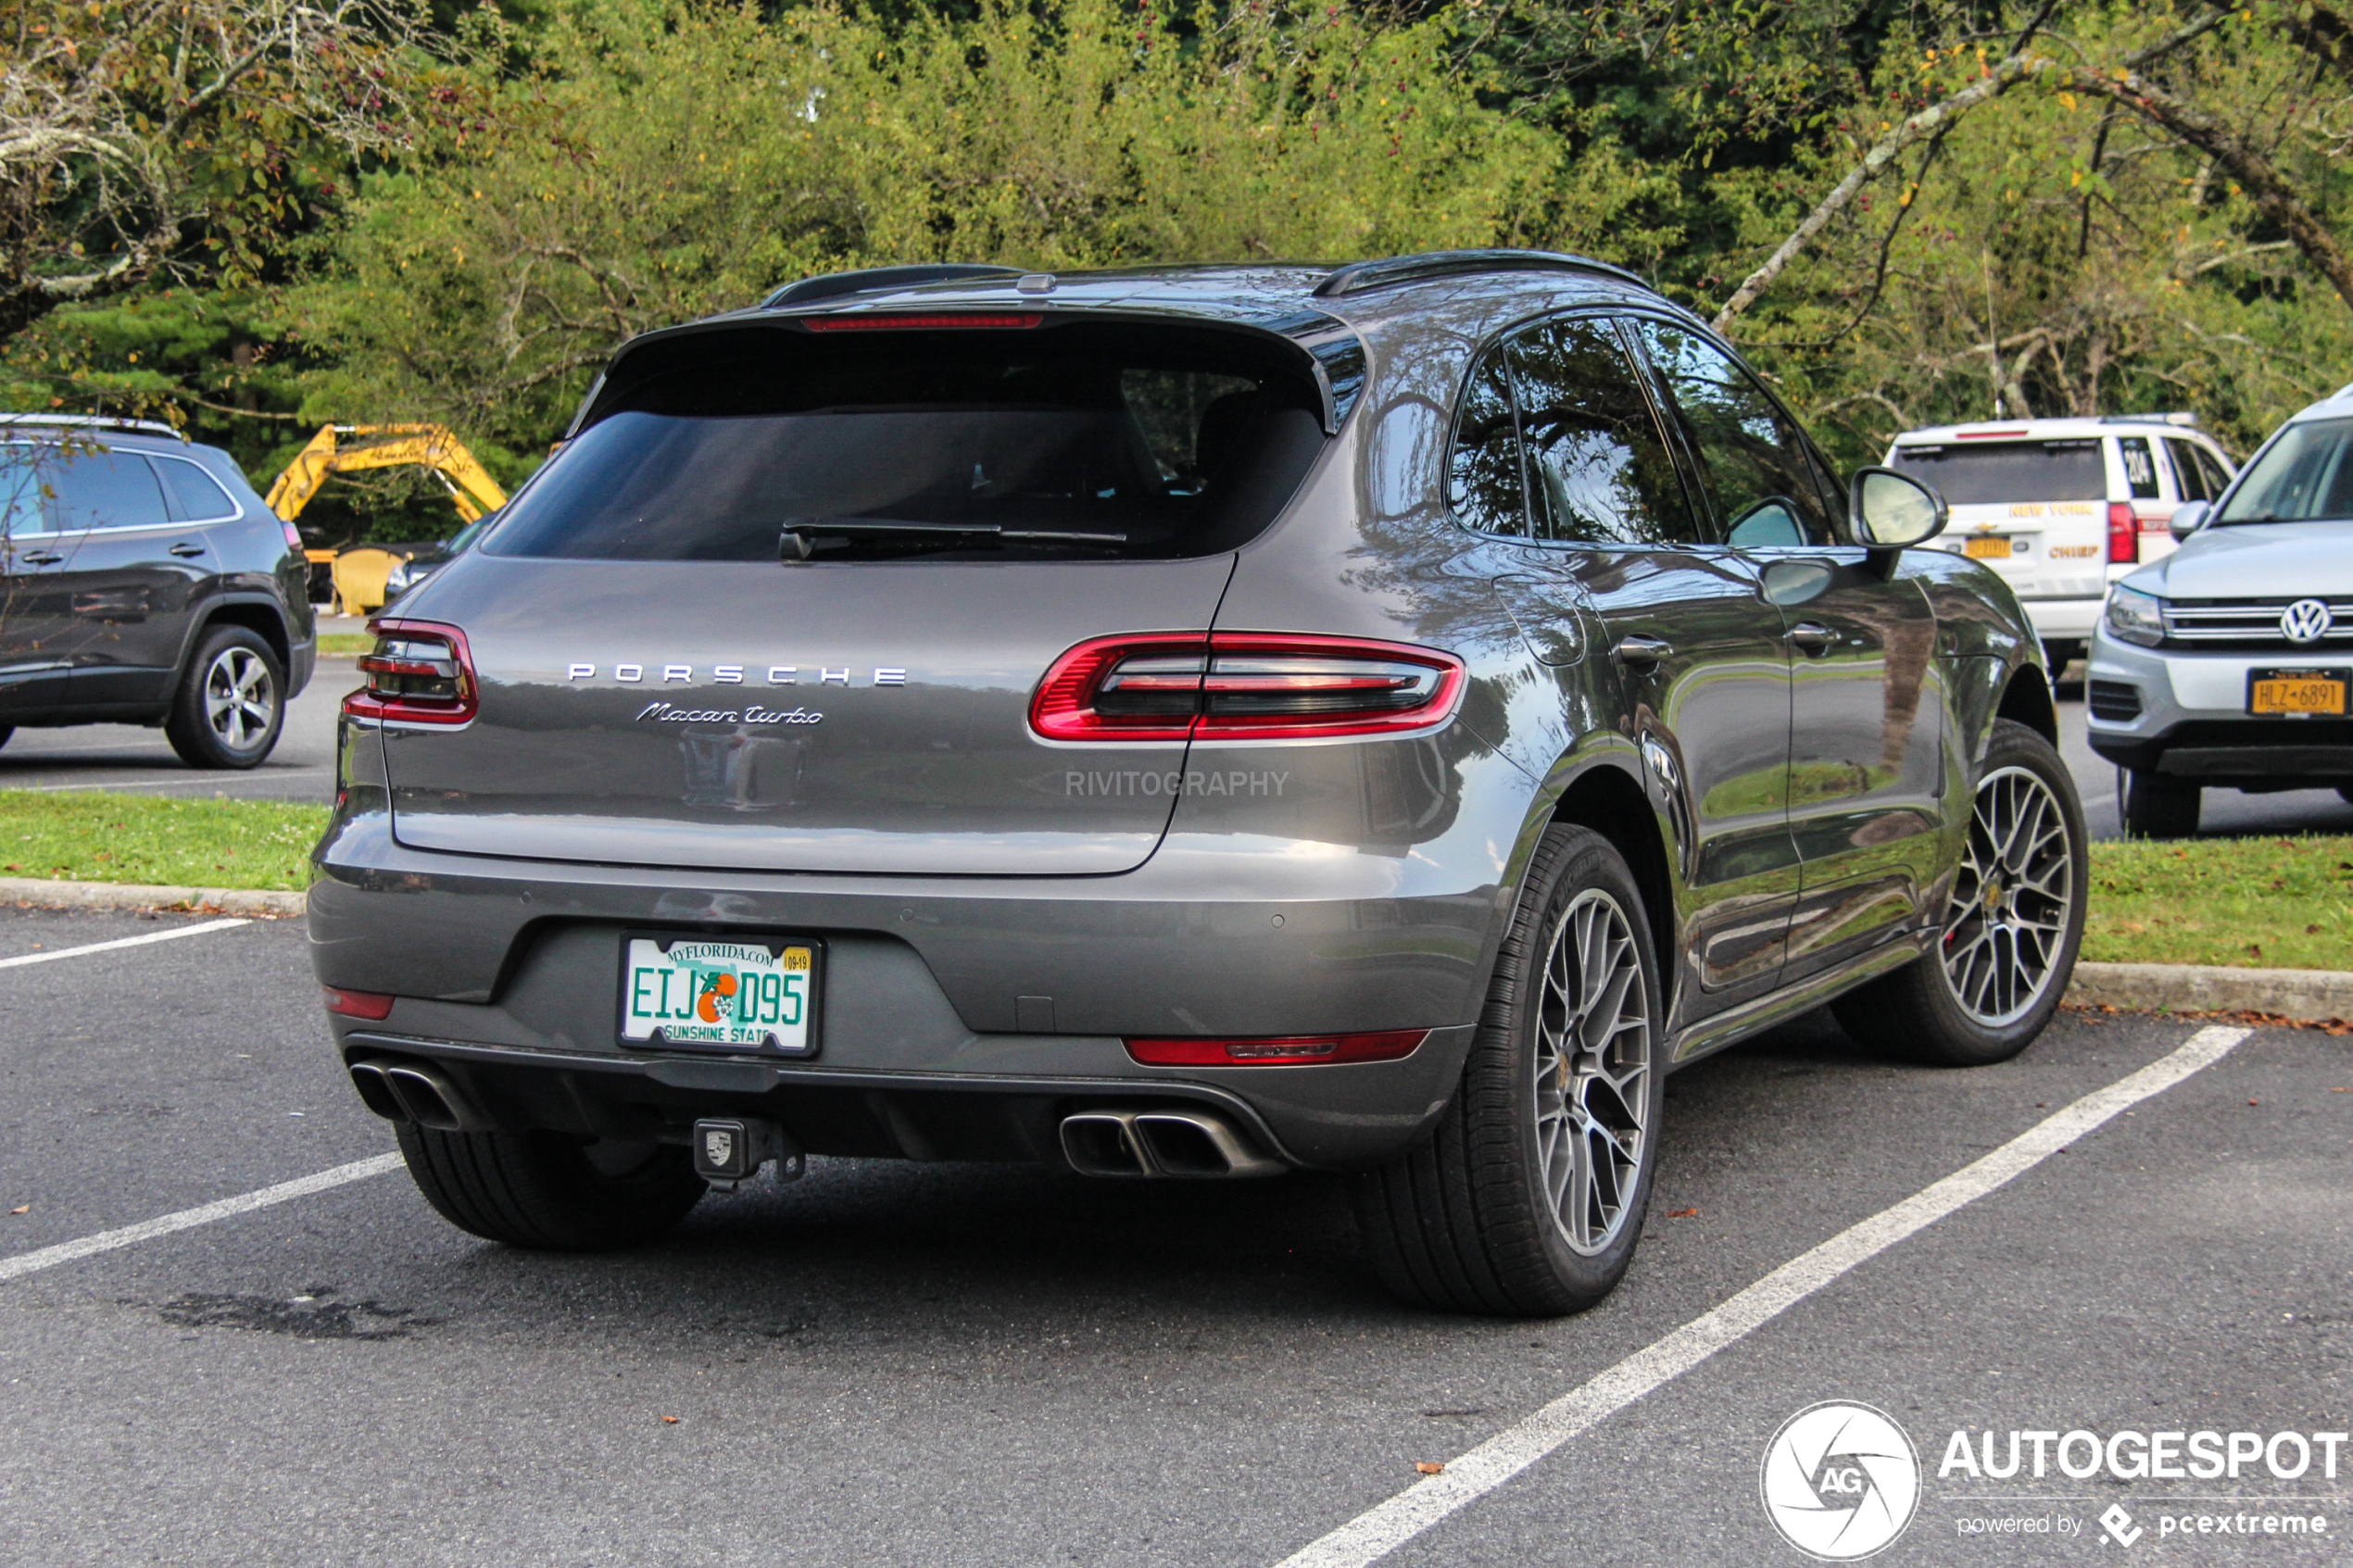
1728,1028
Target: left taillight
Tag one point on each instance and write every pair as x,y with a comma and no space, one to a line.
418,672
1242,685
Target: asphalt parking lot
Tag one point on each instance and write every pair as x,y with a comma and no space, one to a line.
957,1364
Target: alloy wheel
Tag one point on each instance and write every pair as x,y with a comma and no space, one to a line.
2013,895
240,699
1594,1048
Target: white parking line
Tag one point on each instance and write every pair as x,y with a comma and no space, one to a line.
1383,1528
186,1219
173,934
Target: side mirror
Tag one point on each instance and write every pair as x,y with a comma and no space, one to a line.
1890,512
2188,518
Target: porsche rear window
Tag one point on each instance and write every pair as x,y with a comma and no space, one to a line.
907,446
1975,473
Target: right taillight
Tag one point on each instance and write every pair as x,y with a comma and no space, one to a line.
1242,685
418,672
2123,533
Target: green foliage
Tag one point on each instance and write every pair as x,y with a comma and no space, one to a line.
667,159
2278,903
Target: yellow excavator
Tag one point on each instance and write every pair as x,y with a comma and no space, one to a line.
360,574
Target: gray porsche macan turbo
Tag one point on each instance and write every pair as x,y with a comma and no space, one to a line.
1196,722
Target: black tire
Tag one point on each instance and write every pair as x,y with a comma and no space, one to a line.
548,1192
2157,806
1466,1222
6,731
2344,792
231,701
1918,1012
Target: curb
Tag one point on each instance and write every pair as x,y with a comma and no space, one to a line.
2310,996
2307,996
132,895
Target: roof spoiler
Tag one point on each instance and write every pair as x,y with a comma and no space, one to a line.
829,284
1360,277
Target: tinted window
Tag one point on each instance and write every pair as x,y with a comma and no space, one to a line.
1598,468
1055,444
102,488
2218,473
2306,475
192,494
1484,482
20,492
1991,472
2140,465
1766,485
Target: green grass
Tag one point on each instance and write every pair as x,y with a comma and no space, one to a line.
2263,903
345,642
95,838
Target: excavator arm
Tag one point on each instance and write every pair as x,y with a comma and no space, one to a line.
470,488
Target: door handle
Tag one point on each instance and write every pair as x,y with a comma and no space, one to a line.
1640,653
41,557
1817,640
186,548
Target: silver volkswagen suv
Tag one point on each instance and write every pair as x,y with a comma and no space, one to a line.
1193,723
2226,664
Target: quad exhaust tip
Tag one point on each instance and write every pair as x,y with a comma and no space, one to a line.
1195,1144
408,1091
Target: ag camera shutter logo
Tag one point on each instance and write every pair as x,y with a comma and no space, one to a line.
1840,1481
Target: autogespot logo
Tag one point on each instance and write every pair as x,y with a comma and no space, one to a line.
1840,1481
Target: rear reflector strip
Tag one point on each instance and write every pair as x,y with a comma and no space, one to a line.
948,322
1242,685
369,1005
1287,1050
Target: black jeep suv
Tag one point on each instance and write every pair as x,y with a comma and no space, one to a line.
145,583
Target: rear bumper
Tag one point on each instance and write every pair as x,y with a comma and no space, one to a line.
2184,715
2070,620
1018,991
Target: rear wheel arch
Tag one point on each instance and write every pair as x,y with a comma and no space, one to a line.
1610,801
259,617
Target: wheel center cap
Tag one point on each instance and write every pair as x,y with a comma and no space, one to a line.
1995,897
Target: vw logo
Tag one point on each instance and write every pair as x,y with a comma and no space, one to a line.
2305,620
1841,1481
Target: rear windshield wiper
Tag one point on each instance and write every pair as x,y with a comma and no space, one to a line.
798,537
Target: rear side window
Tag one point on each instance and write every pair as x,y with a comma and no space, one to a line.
1068,442
20,511
98,487
1598,467
1986,473
191,495
1484,482
2218,473
2140,465
1766,485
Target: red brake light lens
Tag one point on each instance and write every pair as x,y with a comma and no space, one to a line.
1242,685
934,321
370,1005
1289,1050
2123,533
419,672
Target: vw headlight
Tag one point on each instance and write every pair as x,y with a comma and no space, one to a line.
2136,616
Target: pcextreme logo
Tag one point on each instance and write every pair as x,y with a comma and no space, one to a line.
1840,1481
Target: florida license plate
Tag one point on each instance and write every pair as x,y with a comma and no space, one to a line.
1986,549
701,993
2295,691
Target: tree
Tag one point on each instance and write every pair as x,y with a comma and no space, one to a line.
139,137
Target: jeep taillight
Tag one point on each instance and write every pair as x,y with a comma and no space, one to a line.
418,672
1242,685
2123,533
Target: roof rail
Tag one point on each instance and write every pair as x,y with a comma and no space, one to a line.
90,422
827,285
1358,277
2178,417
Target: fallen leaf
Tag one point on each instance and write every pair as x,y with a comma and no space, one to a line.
1429,1466
2254,1102
22,1208
670,1421
2341,1091
1681,1213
